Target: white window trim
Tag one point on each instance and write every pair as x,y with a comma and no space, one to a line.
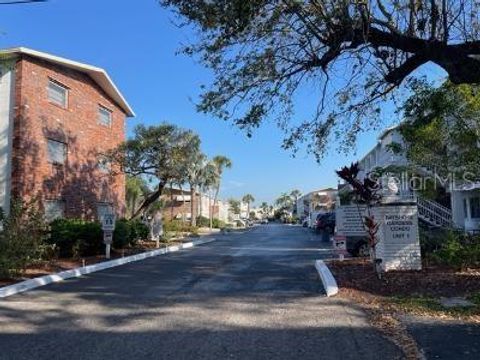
110,112
55,201
65,154
104,165
60,85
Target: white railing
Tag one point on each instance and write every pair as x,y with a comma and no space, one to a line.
434,213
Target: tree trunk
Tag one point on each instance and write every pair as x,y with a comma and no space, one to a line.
210,212
149,200
193,212
184,203
171,201
215,199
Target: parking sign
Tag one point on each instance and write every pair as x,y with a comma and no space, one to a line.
108,222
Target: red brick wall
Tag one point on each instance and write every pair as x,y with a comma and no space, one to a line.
78,183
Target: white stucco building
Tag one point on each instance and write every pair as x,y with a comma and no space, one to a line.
463,209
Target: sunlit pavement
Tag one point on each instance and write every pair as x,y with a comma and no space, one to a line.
254,295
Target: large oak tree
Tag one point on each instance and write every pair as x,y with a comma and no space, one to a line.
356,53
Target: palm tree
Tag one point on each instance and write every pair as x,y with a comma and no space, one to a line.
194,178
284,201
221,163
295,194
265,208
248,198
209,180
136,189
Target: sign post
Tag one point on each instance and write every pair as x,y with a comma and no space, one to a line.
108,225
340,246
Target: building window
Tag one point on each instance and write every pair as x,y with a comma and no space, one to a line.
57,94
103,208
465,208
57,152
54,209
104,116
104,165
475,207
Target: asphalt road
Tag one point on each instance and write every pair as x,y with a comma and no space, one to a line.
250,296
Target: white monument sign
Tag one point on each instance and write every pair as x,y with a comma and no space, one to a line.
349,220
398,243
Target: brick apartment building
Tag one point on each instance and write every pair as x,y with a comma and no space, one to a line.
57,116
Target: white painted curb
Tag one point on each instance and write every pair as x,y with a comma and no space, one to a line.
327,278
48,279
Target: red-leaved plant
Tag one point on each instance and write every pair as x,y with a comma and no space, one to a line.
367,193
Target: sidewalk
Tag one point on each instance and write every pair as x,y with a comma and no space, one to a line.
444,339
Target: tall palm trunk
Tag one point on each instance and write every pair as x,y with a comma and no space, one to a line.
184,204
171,202
210,212
193,220
215,199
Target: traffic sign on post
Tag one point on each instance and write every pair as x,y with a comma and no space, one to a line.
108,225
108,222
340,245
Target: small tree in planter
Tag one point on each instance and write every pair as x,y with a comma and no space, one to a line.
367,193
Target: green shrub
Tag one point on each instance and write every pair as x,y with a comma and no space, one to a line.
138,231
24,231
452,248
75,238
218,224
121,235
203,221
178,226
128,233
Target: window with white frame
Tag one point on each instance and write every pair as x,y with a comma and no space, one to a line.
57,93
54,209
103,208
475,207
104,116
57,152
104,165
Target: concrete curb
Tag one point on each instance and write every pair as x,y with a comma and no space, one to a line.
327,278
53,278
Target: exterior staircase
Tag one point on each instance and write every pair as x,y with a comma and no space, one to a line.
433,213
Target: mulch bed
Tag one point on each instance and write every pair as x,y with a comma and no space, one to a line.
358,282
358,274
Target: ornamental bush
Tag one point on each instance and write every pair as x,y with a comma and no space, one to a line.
76,238
451,248
128,233
21,238
203,221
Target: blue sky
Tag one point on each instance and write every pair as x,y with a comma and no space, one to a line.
136,41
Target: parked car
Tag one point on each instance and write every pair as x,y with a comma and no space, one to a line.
325,223
312,221
358,246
